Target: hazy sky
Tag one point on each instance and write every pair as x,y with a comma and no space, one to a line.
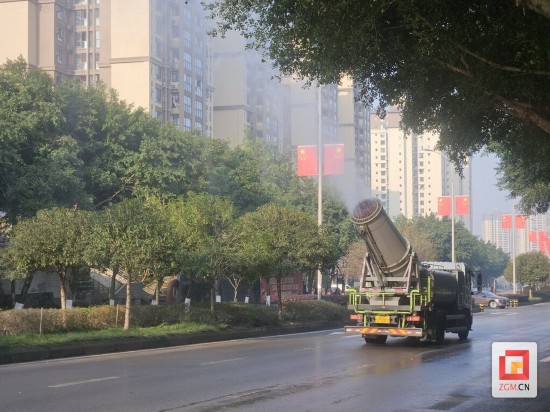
486,196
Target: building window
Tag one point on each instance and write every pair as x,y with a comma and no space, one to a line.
187,43
175,56
97,61
175,99
198,46
81,42
198,66
97,17
198,89
187,83
175,76
158,94
59,56
97,43
81,62
59,12
175,30
59,33
198,126
176,120
187,61
198,109
186,123
186,104
81,18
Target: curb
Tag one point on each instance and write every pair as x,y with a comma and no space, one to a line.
66,350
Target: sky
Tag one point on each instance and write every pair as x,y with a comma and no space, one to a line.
486,196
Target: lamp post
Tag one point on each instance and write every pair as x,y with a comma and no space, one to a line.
319,181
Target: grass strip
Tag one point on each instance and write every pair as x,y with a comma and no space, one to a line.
112,333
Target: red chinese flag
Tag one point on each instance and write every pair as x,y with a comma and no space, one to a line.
506,221
532,236
334,159
520,221
462,205
542,240
547,244
307,161
444,206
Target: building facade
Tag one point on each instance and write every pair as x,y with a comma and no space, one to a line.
515,241
248,100
154,53
407,174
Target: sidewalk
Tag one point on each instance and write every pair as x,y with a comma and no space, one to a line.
38,353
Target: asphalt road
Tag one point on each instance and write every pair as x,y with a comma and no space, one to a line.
326,370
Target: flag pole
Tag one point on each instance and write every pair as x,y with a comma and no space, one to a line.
319,181
514,248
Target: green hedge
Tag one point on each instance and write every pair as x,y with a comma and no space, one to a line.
33,321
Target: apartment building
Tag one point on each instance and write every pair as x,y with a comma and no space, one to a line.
407,174
353,132
515,240
248,100
155,53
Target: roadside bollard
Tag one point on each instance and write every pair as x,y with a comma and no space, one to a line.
514,303
481,307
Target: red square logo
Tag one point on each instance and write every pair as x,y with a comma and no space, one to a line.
514,365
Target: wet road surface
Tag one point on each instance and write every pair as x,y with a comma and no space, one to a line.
326,370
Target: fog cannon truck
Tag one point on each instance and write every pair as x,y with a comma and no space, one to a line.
398,295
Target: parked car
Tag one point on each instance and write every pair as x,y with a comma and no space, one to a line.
491,300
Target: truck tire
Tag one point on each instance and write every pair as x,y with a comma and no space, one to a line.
463,335
440,328
377,339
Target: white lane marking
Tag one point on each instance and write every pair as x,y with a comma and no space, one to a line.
547,359
62,385
222,361
338,333
303,349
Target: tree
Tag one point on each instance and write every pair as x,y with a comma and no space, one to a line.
204,224
135,236
476,72
532,269
52,239
38,165
281,241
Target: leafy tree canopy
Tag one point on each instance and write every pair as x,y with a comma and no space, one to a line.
474,71
531,269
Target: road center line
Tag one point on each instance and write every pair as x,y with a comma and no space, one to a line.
62,385
222,361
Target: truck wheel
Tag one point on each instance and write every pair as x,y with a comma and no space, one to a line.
463,335
492,304
378,339
440,329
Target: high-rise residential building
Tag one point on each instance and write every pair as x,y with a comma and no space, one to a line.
353,132
248,100
154,53
514,240
407,174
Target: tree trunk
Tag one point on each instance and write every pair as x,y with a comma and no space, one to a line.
13,293
157,290
128,302
63,294
212,296
25,288
112,287
279,298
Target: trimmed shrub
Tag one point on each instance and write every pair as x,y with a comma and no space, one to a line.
315,310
